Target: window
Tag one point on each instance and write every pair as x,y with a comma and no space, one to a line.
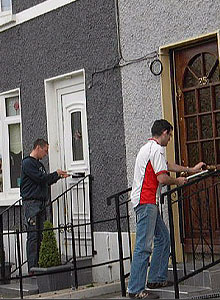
5,6
77,141
10,144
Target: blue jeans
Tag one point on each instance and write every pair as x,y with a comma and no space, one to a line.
149,227
34,215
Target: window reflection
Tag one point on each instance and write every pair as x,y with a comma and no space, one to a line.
77,142
12,106
15,153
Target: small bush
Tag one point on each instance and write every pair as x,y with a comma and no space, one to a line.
49,254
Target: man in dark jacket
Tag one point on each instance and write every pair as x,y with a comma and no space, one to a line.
34,188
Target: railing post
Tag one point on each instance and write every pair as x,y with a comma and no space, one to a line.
122,273
173,248
74,256
91,214
2,252
19,264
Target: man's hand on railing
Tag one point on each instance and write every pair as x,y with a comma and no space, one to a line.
181,180
164,178
197,168
62,174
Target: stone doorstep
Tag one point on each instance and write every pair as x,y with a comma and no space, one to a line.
185,291
208,278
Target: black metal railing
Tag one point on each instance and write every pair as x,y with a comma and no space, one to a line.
194,204
73,225
121,201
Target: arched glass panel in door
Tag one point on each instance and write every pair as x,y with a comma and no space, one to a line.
201,94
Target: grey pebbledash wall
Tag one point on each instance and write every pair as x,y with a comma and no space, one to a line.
79,35
144,27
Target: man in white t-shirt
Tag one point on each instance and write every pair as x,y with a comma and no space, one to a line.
151,171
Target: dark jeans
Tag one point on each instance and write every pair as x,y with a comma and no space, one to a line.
35,215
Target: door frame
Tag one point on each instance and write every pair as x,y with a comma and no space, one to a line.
55,151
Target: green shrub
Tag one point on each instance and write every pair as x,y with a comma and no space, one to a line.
49,254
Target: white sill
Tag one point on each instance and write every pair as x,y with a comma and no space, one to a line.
9,198
7,19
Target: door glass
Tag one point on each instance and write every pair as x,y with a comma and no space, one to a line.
190,102
218,151
190,79
193,153
192,130
211,67
15,154
195,65
204,100
77,141
217,97
217,120
206,126
208,154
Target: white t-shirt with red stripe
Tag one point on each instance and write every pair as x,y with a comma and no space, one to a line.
150,162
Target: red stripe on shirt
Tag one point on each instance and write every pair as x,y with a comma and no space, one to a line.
149,186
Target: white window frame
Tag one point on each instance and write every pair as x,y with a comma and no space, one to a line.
9,195
6,17
6,12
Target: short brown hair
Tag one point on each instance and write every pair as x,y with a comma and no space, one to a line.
40,142
160,126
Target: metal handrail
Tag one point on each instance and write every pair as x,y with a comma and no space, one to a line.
120,217
205,237
191,182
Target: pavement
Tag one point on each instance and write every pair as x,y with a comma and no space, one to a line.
97,291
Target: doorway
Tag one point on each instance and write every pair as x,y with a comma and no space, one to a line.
197,89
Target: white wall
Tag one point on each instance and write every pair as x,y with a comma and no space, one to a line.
106,245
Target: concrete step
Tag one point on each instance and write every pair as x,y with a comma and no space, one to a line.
208,278
32,285
185,291
12,290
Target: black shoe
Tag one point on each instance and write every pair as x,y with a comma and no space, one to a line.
143,295
157,285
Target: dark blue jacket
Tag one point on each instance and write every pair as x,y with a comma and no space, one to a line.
35,180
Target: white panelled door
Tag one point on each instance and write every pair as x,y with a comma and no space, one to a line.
74,157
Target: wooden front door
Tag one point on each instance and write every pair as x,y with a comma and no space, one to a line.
197,85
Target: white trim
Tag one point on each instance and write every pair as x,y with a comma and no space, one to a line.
8,196
6,20
10,92
64,76
35,11
51,86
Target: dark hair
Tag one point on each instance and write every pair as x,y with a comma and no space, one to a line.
40,142
160,126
